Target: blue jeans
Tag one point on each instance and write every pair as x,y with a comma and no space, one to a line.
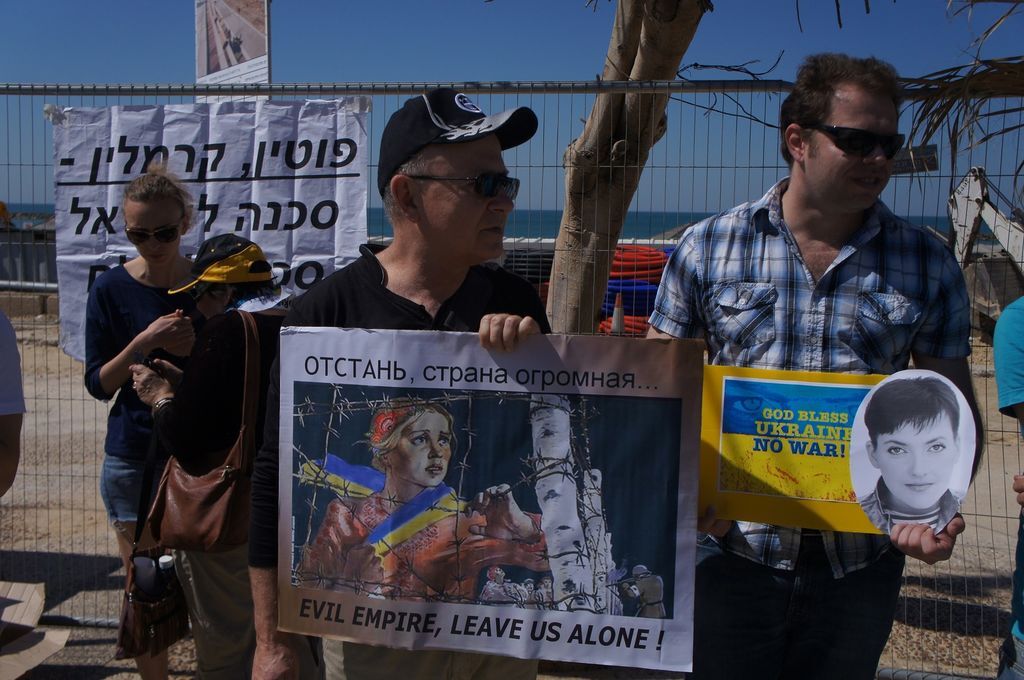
753,621
1011,659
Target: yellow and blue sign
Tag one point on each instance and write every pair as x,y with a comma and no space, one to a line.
775,446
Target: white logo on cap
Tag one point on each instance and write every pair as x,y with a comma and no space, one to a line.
466,104
473,129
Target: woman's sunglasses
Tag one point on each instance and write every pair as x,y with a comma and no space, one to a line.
140,236
487,184
859,142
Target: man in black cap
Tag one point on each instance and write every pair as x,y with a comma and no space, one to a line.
448,194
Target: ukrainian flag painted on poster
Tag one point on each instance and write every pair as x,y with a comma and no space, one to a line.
344,478
794,437
427,508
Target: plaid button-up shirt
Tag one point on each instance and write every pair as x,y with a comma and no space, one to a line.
738,281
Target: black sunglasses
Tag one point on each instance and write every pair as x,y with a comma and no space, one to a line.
163,234
859,142
488,184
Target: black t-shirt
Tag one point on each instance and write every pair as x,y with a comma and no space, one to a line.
355,297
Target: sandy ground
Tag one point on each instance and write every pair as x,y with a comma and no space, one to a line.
53,528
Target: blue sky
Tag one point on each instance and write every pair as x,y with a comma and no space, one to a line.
144,41
124,41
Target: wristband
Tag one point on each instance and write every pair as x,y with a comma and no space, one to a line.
161,402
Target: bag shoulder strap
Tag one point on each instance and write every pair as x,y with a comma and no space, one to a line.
251,392
142,516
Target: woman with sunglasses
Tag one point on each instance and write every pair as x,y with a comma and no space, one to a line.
131,316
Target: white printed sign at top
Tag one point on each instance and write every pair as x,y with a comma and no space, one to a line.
290,176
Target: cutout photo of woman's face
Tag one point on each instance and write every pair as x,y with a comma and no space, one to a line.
916,463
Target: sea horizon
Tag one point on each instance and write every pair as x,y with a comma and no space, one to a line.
522,223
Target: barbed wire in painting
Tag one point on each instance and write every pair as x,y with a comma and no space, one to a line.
362,529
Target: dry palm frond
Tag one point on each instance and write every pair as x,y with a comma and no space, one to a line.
969,5
955,98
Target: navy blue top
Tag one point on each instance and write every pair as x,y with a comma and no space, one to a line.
120,308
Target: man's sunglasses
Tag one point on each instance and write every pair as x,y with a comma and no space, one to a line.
140,236
488,184
859,142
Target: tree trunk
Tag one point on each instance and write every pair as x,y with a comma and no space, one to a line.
556,494
603,166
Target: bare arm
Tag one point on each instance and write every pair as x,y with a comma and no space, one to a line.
1018,412
1018,480
115,372
10,449
276,657
959,373
653,332
172,332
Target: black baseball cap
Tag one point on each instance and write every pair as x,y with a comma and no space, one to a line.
445,116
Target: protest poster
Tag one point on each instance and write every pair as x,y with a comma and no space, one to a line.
290,176
776,447
536,504
912,450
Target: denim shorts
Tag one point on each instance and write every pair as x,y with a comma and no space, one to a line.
120,484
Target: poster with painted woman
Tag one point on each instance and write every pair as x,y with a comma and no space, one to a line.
537,504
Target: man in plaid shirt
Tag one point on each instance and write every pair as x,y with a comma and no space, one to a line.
816,275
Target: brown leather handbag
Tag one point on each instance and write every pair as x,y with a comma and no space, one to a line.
150,621
209,512
154,614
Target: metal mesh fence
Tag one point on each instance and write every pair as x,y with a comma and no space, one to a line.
720,149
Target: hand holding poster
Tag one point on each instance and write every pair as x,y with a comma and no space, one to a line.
537,504
792,448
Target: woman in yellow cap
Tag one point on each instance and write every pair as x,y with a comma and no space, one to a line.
197,416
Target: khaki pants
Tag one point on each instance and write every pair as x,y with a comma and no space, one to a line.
349,661
219,599
220,607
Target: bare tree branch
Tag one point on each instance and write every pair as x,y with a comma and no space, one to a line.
745,115
738,68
